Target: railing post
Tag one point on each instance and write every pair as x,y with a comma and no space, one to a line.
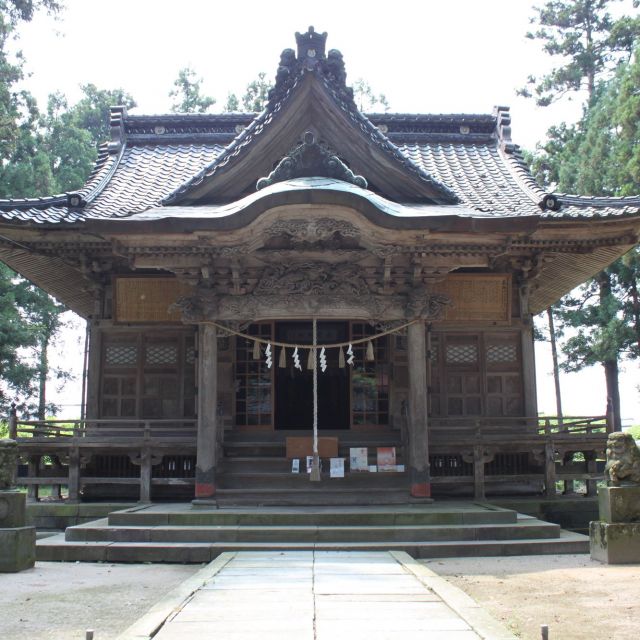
74,474
145,475
478,472
33,471
592,468
550,469
13,422
146,467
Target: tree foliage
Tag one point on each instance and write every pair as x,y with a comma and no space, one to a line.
586,39
254,98
187,93
40,153
596,156
367,99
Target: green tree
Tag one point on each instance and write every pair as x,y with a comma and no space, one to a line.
367,99
22,166
16,372
601,160
254,98
187,96
586,39
70,134
590,45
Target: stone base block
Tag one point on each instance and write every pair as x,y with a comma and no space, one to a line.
615,543
619,504
17,549
12,509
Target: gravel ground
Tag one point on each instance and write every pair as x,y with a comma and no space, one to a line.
60,601
578,598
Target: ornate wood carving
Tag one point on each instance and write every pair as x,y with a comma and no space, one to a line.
311,159
313,278
310,233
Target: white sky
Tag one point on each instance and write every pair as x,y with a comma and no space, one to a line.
427,56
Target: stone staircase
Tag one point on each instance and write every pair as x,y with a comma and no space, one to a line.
184,533
254,471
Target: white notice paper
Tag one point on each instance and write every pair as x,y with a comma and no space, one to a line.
358,459
337,468
295,465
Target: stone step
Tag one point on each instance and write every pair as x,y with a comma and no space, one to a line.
250,481
100,531
56,548
443,514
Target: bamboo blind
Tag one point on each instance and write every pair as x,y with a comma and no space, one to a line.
148,299
478,298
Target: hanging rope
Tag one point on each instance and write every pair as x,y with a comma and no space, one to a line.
315,466
292,345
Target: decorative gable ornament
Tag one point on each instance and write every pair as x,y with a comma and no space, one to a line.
311,159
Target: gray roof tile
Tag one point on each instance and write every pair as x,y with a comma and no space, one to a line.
481,167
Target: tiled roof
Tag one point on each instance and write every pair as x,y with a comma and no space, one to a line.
151,157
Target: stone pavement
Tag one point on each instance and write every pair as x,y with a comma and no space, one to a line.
317,595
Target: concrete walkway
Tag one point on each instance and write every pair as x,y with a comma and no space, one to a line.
318,595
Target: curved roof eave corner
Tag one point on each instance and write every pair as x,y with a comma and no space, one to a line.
328,107
68,207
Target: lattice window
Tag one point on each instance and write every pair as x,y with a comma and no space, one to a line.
121,355
370,379
190,354
462,354
505,352
161,354
253,381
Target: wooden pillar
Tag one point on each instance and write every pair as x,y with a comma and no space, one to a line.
207,414
550,469
419,475
93,370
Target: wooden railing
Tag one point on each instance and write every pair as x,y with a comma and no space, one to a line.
550,444
93,431
145,442
489,428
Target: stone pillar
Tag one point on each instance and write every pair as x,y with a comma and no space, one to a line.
419,475
207,414
17,542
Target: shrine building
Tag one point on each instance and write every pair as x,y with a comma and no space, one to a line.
244,276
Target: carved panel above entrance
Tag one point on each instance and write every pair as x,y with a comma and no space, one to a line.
313,278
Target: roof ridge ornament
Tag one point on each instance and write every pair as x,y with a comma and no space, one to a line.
311,45
310,57
311,159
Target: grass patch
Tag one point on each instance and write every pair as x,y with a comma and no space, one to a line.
635,431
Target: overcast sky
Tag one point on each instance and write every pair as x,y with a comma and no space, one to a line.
428,56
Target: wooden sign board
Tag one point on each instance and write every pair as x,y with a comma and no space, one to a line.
147,299
301,447
483,298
